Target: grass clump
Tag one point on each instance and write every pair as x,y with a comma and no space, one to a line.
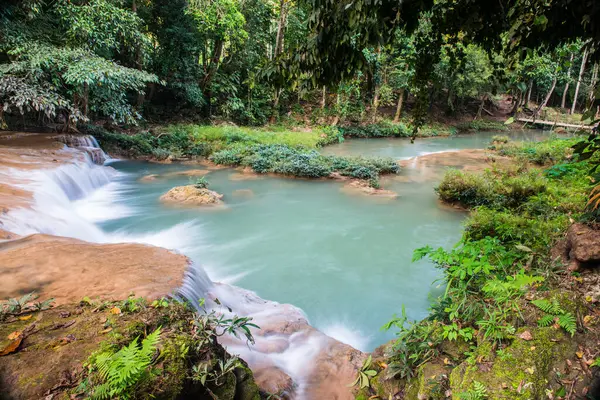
542,153
496,189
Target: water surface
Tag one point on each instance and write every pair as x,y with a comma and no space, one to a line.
344,259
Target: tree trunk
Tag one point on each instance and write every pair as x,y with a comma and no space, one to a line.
563,103
280,28
581,72
375,104
592,95
324,97
528,97
278,51
399,106
86,96
546,99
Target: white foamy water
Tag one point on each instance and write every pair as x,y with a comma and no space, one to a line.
343,332
73,198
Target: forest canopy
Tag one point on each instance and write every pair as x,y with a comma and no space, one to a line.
67,62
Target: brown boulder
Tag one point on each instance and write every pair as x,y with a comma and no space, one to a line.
190,195
582,247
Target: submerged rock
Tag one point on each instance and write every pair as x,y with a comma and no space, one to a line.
190,195
243,193
189,172
362,187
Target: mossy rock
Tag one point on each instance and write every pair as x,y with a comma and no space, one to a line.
522,373
430,383
58,342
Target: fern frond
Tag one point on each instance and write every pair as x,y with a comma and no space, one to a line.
568,323
543,305
556,308
546,320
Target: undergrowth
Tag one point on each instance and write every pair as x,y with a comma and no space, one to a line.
518,213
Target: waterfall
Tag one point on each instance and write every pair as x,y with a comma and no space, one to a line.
86,143
69,200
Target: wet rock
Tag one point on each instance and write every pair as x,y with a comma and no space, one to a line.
70,269
361,187
190,195
149,178
273,380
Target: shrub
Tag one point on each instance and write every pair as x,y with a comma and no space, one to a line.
511,228
160,154
468,189
200,183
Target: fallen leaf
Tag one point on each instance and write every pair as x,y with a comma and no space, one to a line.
569,363
12,346
587,319
115,310
532,348
504,385
446,361
26,317
14,335
530,370
589,299
526,336
579,354
589,362
106,330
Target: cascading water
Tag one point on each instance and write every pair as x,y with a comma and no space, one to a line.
86,143
69,200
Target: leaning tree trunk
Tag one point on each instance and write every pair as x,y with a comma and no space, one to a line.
581,72
399,106
546,99
563,103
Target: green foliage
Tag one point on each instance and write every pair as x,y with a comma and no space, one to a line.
555,314
414,346
23,304
286,160
201,183
477,392
495,189
365,373
546,152
120,372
